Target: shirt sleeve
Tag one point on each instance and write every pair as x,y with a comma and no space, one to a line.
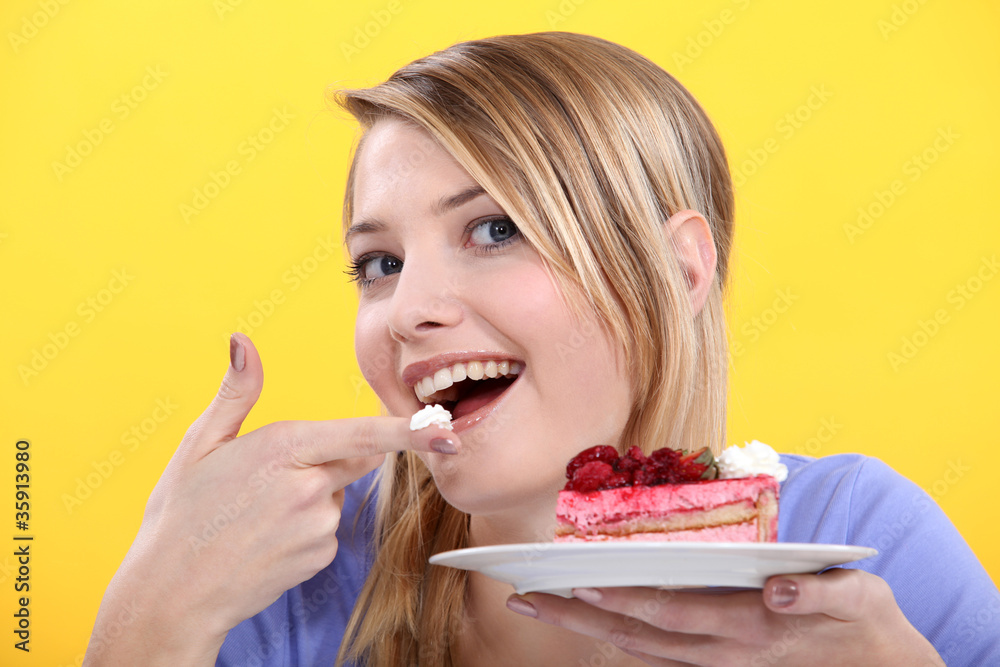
938,582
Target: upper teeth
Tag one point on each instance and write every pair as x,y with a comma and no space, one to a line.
432,388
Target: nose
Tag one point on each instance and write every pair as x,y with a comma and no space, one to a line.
426,299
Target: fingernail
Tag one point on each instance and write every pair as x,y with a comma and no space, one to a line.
237,355
784,593
588,595
443,446
522,607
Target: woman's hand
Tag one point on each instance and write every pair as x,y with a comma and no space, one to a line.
236,521
840,617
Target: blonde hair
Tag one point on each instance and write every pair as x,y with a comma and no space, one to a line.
590,148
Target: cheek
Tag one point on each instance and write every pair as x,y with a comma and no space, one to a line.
526,303
372,346
575,364
566,346
585,387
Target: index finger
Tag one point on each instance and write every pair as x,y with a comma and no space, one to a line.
320,442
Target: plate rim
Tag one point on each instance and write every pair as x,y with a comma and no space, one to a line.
521,547
748,563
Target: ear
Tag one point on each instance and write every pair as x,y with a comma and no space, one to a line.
691,238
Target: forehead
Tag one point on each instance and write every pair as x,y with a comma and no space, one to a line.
399,158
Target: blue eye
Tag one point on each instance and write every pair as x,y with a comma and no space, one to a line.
368,268
489,235
493,231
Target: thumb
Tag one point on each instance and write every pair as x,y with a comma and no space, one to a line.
240,389
841,593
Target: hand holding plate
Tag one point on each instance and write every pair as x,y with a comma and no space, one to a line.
841,617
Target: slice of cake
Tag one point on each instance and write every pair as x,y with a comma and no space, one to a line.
671,496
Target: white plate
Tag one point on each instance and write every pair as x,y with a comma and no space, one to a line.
558,567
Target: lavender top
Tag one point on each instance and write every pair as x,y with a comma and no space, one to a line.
844,499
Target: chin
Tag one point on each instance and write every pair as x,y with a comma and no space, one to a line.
488,490
460,484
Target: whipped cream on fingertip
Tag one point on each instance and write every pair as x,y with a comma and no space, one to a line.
755,458
432,415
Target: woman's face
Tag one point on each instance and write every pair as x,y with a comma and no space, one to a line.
449,289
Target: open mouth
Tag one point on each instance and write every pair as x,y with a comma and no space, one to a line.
466,387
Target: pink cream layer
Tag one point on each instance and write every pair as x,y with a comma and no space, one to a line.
589,511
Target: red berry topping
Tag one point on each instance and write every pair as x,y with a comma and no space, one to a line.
633,460
600,468
599,453
618,479
591,476
665,457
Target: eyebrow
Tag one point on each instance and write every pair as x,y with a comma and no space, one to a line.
364,227
443,206
452,202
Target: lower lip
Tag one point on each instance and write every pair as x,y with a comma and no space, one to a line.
466,422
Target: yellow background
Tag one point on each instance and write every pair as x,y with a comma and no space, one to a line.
819,302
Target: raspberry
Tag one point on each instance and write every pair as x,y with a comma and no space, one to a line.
591,476
636,454
665,457
618,479
599,453
662,467
651,475
633,460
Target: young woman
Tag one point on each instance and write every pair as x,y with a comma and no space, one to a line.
555,210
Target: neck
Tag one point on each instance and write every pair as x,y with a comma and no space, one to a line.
487,532
529,522
495,635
